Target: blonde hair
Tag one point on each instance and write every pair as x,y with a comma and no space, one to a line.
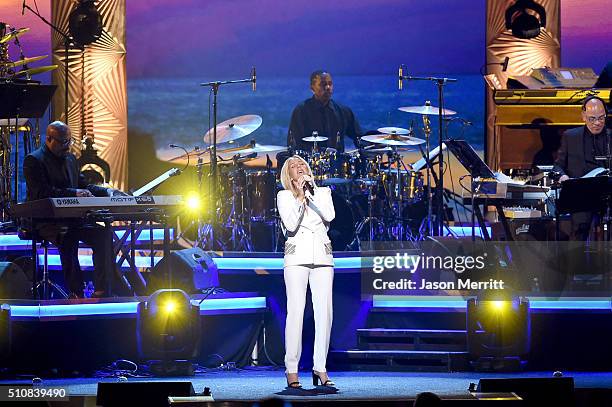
284,175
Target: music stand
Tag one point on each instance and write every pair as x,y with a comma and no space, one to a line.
585,195
472,162
25,100
22,100
469,159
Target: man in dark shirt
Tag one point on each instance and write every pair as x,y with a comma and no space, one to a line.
323,115
52,172
579,147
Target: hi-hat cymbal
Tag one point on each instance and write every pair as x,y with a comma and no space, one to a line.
317,139
13,34
394,130
19,62
426,110
234,128
393,140
37,70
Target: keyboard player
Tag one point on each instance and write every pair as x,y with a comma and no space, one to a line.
52,172
576,157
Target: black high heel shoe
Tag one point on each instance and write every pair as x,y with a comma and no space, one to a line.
293,385
316,379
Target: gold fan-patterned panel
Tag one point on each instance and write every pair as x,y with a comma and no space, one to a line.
97,89
524,55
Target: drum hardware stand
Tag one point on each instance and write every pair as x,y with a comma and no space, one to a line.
370,220
240,238
440,82
428,166
213,175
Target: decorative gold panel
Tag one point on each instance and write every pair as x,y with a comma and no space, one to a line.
544,50
102,83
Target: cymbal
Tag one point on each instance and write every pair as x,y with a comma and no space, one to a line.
224,156
13,34
19,62
386,150
256,148
426,110
393,140
234,128
394,130
37,70
317,139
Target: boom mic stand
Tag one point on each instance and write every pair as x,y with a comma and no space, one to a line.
67,42
440,82
213,176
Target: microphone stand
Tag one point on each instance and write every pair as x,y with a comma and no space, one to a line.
440,82
215,85
67,43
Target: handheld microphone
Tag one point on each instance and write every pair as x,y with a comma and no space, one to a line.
309,186
505,64
254,79
23,7
400,81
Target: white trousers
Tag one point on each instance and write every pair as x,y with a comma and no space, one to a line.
321,280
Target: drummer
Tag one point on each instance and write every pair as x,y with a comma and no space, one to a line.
323,115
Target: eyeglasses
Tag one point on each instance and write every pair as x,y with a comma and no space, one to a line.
593,119
64,142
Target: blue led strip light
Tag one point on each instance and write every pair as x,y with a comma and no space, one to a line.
387,301
127,308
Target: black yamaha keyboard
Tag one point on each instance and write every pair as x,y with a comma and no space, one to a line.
119,207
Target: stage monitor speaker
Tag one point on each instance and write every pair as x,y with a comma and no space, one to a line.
191,270
535,391
14,283
141,393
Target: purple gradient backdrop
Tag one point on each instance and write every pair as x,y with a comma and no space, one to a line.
196,38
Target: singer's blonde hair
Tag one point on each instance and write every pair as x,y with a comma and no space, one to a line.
284,175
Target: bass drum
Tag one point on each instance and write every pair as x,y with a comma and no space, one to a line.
342,228
261,189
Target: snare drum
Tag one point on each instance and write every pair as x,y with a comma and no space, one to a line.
261,191
405,185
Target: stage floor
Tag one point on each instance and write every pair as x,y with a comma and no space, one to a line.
252,384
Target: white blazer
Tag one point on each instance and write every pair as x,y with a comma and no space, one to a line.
305,226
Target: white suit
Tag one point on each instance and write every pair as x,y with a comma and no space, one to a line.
308,259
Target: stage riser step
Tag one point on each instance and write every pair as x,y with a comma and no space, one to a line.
411,340
408,361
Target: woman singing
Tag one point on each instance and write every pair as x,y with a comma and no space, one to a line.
306,211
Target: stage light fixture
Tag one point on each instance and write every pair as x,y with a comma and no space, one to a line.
5,333
193,201
498,333
168,332
524,24
85,23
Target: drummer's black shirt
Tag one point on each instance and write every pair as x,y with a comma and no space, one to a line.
332,120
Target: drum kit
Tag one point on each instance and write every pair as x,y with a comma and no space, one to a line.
377,196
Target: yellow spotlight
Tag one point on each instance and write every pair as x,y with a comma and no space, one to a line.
193,201
170,307
498,305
